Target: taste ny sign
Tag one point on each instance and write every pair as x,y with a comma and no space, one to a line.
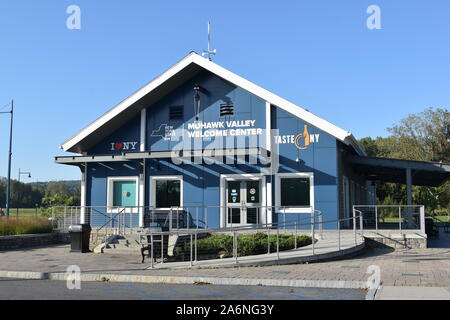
123,146
301,141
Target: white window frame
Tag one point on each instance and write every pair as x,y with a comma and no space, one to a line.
110,194
153,180
305,209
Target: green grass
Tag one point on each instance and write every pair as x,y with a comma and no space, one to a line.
248,244
23,212
391,219
13,226
442,218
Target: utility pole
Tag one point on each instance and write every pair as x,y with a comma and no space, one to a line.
8,183
18,187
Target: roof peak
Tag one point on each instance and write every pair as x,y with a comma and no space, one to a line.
183,65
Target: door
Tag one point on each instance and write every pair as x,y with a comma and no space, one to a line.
124,194
243,201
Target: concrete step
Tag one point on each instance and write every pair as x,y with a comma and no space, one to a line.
122,246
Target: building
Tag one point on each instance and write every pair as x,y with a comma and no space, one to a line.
222,150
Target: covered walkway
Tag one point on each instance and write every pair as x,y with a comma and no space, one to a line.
418,173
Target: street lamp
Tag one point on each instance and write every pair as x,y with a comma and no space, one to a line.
18,185
8,184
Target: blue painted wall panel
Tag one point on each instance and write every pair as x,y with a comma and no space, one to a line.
125,139
96,188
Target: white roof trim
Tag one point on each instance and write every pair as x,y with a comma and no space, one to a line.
262,93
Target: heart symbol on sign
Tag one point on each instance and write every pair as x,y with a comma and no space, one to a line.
118,145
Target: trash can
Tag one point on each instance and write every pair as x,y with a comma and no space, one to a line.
79,237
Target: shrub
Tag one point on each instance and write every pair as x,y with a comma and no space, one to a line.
15,226
248,244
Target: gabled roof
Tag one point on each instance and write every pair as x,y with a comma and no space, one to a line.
185,69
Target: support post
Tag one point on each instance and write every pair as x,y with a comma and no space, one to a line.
151,248
278,243
422,219
408,213
339,235
408,186
376,218
162,248
195,256
191,252
235,247
313,234
8,183
361,224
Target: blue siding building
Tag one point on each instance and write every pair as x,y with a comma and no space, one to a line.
201,140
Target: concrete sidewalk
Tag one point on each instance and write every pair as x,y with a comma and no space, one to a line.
413,293
416,268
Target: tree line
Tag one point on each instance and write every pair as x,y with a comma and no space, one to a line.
41,194
422,137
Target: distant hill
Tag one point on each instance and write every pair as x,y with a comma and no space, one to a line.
71,184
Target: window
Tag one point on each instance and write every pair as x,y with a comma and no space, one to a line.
295,191
167,192
176,113
226,110
122,192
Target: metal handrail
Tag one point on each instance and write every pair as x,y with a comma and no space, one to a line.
401,215
314,219
234,230
116,211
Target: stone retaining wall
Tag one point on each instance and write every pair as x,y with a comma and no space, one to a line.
396,242
32,240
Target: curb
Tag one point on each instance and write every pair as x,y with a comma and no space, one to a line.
97,277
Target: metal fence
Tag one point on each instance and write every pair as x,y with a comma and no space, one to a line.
390,217
311,225
191,225
123,219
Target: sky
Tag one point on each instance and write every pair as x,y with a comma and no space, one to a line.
317,54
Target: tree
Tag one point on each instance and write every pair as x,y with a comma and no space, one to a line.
2,193
420,137
58,194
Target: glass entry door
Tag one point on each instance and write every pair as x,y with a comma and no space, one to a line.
243,201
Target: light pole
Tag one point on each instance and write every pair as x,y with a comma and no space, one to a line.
18,186
8,183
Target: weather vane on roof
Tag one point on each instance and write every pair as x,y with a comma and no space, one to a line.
209,52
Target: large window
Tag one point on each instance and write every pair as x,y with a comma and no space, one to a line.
295,191
167,192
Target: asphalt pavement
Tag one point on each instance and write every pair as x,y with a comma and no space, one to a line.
12,289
